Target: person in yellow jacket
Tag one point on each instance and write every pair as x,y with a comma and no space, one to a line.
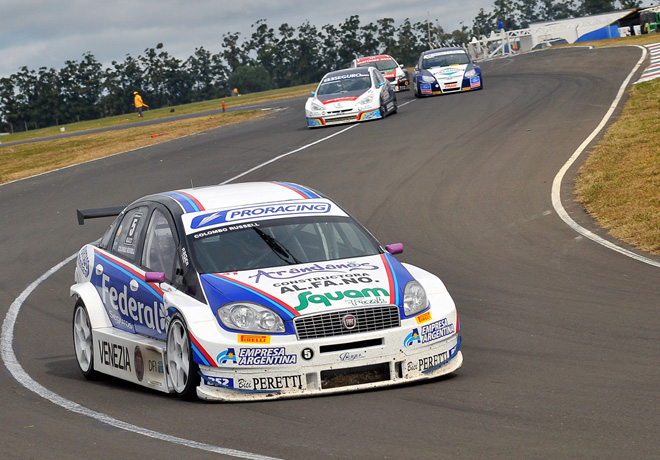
139,104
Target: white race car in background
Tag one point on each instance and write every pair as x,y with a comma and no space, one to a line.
391,70
255,291
446,70
350,95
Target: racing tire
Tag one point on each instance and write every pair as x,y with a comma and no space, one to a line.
182,371
83,343
383,110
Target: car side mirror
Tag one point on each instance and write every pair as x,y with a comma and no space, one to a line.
381,84
313,93
401,65
154,277
395,248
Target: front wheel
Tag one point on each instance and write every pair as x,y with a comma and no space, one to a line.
83,343
182,371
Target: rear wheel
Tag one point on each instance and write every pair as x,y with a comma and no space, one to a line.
83,344
182,371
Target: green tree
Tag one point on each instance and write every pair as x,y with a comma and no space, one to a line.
208,75
504,11
630,4
527,12
330,45
266,48
550,10
591,7
250,79
232,52
81,87
386,37
411,41
350,42
482,25
8,104
369,38
306,64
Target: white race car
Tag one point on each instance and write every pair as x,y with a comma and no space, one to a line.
446,70
391,70
255,291
350,95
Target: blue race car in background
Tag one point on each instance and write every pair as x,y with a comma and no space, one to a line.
445,70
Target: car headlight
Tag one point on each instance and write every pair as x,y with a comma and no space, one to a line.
471,73
367,100
252,317
316,106
428,79
414,298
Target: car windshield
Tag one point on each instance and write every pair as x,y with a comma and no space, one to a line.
380,65
338,86
279,242
444,60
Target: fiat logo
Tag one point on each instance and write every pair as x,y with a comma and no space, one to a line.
349,322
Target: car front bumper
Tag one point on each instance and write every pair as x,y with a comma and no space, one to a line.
346,117
359,368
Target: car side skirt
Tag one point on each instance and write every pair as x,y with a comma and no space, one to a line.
135,358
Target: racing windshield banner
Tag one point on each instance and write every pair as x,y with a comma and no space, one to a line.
346,76
209,220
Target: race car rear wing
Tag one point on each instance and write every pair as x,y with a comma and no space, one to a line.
98,212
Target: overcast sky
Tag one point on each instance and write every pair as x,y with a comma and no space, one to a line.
46,33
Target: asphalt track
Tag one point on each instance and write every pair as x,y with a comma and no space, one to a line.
560,334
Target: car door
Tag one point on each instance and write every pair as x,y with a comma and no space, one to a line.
133,304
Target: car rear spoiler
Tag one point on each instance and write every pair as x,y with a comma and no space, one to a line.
98,212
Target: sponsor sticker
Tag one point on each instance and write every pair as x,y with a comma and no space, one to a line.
114,355
258,212
139,363
429,332
345,76
354,297
423,318
255,339
225,382
258,356
283,382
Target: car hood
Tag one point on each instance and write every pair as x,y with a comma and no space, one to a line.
450,72
350,96
295,290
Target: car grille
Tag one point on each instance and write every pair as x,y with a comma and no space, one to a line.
332,324
339,112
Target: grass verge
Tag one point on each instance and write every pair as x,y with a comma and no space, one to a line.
25,160
619,182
